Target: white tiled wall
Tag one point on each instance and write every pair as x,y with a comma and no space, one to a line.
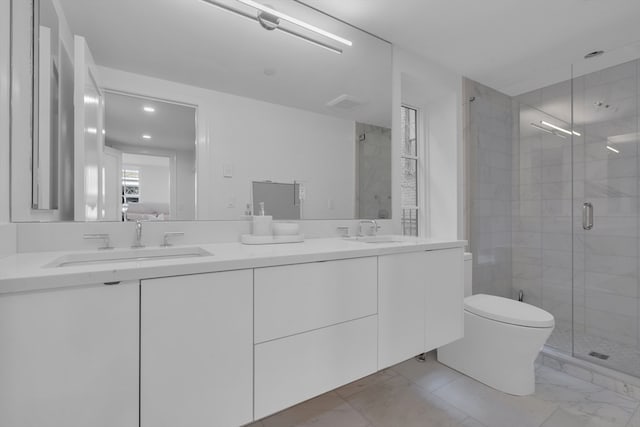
542,239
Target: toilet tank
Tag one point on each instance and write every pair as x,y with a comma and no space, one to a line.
468,269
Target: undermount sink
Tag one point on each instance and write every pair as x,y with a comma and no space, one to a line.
128,255
380,239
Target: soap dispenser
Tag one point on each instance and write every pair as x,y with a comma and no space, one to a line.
262,223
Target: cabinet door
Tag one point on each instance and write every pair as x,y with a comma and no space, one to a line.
197,350
69,357
402,280
444,303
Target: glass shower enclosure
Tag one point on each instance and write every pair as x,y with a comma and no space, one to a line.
576,211
606,172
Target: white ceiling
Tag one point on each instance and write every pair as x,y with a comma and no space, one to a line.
510,45
513,46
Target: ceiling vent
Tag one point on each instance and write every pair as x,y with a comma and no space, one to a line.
344,102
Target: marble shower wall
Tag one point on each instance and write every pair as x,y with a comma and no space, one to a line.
542,206
488,136
374,171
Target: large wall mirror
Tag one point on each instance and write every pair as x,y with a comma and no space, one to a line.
174,110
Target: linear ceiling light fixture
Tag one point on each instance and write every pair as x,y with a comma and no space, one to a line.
269,19
563,130
295,21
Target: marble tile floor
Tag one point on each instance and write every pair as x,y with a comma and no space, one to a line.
414,394
623,358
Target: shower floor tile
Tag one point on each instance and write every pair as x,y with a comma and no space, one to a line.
623,358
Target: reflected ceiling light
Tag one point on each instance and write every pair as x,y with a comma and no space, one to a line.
563,130
269,19
541,128
613,149
88,99
146,136
548,131
92,131
148,109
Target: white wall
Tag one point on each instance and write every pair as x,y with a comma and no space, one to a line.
154,184
7,231
5,87
185,185
437,91
259,141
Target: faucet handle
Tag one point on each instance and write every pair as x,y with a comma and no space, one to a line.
372,230
106,240
169,234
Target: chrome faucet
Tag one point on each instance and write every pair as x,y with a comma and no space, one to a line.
138,242
372,230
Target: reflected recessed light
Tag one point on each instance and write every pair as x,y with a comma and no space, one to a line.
148,109
613,149
92,131
146,136
88,99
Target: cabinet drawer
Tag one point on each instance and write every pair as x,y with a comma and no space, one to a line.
297,298
294,369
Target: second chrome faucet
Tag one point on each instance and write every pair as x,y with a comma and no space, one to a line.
138,242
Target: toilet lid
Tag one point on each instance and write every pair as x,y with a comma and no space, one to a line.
508,311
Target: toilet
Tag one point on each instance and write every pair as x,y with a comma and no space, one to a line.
502,338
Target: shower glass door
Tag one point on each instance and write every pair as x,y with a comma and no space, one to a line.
605,213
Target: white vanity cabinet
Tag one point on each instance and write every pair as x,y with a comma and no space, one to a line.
444,299
196,351
316,329
69,357
420,303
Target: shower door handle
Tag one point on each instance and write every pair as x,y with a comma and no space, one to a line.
587,216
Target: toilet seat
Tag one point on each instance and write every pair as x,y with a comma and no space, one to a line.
508,311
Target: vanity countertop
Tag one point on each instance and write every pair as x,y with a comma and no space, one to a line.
28,271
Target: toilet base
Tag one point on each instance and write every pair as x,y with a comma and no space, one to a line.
497,354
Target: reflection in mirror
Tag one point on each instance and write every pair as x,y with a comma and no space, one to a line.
268,107
154,145
280,200
51,60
